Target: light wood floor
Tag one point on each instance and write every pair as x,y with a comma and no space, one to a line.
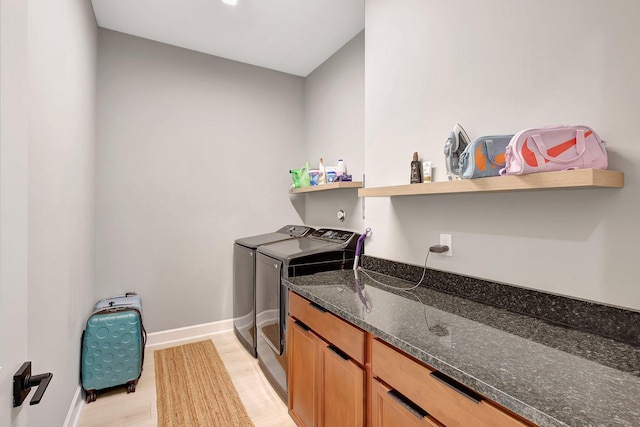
117,408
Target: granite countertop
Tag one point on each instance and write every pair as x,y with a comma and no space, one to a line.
549,374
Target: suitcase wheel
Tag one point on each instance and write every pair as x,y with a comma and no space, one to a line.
131,388
91,396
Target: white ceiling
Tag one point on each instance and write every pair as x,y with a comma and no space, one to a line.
292,36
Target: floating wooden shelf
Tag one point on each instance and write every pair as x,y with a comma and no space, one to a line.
323,187
579,178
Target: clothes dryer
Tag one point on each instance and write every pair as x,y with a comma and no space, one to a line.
244,280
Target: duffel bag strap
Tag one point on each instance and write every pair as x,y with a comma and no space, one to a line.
491,152
580,147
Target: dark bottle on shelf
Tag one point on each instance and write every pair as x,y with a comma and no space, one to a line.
416,170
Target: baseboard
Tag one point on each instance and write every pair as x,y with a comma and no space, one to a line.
75,409
172,336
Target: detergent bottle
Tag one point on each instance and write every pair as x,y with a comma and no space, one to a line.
305,179
295,177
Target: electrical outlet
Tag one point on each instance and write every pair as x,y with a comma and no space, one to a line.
445,239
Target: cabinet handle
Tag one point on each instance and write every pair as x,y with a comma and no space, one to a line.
318,307
409,405
337,351
463,390
302,325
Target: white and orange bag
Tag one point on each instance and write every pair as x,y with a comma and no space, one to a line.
553,149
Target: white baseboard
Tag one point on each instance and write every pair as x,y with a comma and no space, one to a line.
75,409
172,336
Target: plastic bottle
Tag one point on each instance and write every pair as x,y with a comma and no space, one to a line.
321,174
295,177
305,180
416,170
341,169
426,171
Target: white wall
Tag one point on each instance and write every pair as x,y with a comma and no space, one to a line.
498,66
193,153
13,204
61,53
334,129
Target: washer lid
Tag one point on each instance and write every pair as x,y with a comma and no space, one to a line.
322,240
285,233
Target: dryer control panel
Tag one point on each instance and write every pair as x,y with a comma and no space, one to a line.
295,230
334,236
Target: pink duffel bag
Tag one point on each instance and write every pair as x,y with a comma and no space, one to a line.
553,149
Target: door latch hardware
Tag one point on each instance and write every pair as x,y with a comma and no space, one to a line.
23,381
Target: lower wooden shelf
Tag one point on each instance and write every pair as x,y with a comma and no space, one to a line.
578,178
324,187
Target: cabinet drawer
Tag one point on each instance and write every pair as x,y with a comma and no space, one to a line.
392,409
342,334
448,401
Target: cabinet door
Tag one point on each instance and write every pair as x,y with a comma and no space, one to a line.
390,409
341,399
303,376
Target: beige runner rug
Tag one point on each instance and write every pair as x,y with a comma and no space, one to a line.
194,389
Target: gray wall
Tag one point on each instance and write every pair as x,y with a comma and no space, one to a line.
497,67
61,50
13,203
334,129
193,152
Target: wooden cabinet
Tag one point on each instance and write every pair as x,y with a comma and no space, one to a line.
302,373
333,329
341,389
326,384
451,403
327,380
390,409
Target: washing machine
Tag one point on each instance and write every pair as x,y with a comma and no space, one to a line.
244,280
322,250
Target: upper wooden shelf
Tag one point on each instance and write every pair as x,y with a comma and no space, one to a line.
323,187
579,178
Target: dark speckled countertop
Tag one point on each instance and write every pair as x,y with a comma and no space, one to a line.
549,374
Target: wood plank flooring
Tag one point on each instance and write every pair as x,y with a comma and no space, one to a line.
117,408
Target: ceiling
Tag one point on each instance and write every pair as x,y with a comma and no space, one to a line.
292,36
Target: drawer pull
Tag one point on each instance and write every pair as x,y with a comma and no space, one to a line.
318,307
302,325
466,392
409,405
337,351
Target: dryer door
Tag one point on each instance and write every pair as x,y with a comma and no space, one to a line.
244,315
268,273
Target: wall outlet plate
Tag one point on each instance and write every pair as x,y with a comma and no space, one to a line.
445,239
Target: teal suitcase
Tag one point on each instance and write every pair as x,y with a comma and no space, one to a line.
112,350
